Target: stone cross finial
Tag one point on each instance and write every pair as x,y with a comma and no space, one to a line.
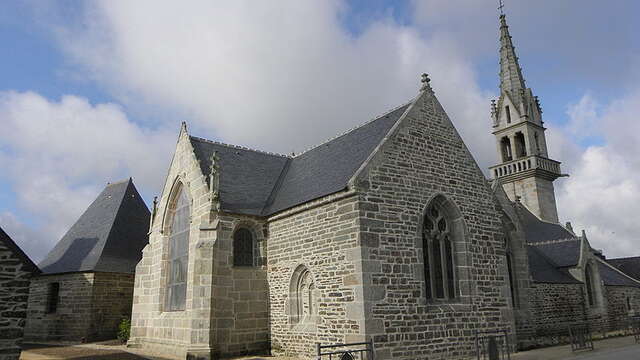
501,7
425,83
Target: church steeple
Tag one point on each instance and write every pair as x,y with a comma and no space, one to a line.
511,79
525,170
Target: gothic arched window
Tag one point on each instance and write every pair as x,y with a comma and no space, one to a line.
179,215
243,247
588,282
437,245
302,296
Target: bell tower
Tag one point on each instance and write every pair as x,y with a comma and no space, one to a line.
524,168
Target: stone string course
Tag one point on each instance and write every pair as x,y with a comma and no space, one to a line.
14,293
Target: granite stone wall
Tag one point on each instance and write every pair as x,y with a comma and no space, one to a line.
112,298
323,238
14,293
622,303
240,314
425,158
72,321
90,306
554,308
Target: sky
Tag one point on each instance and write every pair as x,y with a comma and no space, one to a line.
94,92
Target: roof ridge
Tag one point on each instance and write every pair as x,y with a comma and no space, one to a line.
119,182
625,258
239,147
113,222
353,129
604,262
556,241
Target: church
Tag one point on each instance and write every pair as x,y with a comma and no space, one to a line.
389,233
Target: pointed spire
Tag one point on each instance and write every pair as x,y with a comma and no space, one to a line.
511,79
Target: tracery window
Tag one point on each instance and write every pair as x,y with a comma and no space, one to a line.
179,213
438,253
302,299
243,247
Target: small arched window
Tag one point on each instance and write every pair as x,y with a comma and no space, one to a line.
243,247
588,282
179,214
437,244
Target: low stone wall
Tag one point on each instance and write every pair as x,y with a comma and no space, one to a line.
14,292
90,306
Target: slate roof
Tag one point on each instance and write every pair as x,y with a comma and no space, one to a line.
629,266
29,265
544,270
563,253
108,237
612,277
537,230
258,183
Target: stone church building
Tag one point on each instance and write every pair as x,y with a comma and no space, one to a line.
86,285
388,232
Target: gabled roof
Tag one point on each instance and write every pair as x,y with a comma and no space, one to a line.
628,265
544,270
108,237
259,183
611,277
247,177
564,253
29,265
537,230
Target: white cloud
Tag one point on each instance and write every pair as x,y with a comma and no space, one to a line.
253,73
59,155
602,195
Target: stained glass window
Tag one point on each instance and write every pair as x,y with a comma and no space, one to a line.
178,253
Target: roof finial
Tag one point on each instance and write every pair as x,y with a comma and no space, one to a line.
501,7
425,83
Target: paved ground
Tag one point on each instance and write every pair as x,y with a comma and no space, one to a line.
99,351
623,348
620,348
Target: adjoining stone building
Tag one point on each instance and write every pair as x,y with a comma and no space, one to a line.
556,278
86,285
16,270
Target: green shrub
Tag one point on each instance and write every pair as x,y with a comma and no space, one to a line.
124,330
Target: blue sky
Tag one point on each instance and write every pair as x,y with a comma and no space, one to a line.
121,77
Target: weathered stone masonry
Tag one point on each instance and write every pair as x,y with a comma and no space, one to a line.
425,157
90,306
324,239
15,274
